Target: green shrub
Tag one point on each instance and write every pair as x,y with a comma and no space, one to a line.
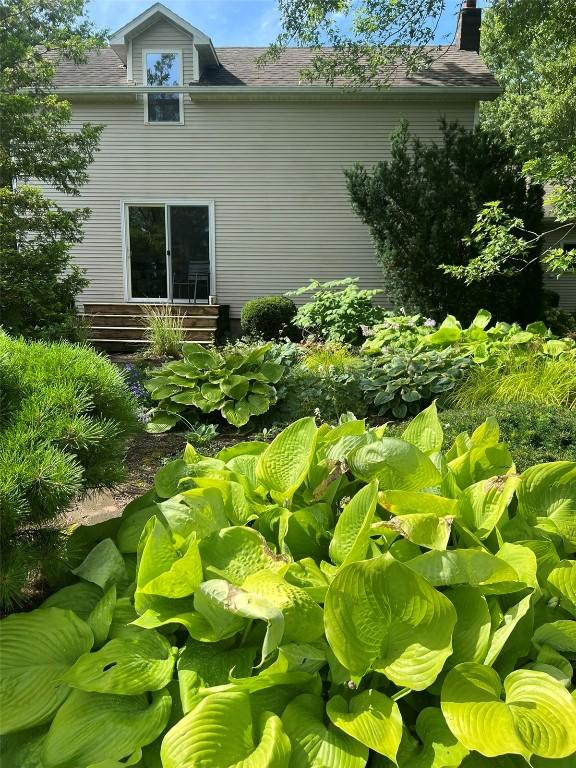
520,378
420,206
337,311
331,355
323,391
335,598
405,381
65,416
238,383
267,317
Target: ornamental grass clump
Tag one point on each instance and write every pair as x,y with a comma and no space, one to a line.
337,597
65,416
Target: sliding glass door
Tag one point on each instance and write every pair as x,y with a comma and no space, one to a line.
168,252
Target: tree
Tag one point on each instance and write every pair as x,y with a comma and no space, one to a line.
530,46
421,206
38,283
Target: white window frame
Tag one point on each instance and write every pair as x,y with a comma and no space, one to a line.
166,204
160,51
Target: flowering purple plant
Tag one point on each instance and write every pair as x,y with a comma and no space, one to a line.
430,323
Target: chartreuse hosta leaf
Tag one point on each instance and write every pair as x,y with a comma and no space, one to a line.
371,718
562,583
91,727
535,716
483,504
467,566
303,617
480,464
437,746
352,532
235,553
315,743
283,466
129,665
100,618
560,635
426,530
471,637
219,732
380,615
38,648
547,497
395,464
104,565
425,431
164,570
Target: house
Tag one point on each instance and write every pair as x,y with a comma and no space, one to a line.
218,181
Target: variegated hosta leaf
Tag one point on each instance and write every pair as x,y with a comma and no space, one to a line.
235,553
352,532
220,733
129,665
38,648
316,744
536,717
425,431
381,615
371,718
92,727
283,466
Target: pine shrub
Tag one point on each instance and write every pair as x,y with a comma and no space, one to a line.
65,415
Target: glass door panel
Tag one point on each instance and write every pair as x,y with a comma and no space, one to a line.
147,249
190,251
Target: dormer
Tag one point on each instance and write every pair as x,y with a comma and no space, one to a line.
159,49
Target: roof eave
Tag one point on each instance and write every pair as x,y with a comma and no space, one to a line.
234,92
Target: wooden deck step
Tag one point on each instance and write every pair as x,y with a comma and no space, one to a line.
137,321
196,310
138,333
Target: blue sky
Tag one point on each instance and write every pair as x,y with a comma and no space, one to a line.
229,22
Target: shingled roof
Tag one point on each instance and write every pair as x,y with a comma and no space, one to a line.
450,67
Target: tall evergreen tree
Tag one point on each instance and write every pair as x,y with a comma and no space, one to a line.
38,282
421,205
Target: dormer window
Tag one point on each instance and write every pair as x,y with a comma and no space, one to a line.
163,68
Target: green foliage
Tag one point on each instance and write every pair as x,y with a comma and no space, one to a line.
239,384
65,415
530,379
487,344
267,317
546,433
201,434
338,597
531,48
408,202
38,282
164,331
334,355
405,381
337,310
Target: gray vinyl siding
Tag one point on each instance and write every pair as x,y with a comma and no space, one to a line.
275,173
163,34
565,286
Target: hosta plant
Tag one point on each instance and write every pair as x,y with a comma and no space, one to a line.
239,384
405,381
334,599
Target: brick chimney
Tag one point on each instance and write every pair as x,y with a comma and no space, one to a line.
468,30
